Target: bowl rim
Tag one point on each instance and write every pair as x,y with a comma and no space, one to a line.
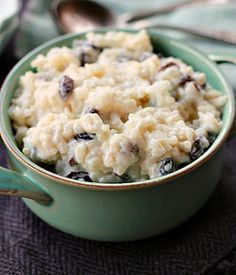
224,133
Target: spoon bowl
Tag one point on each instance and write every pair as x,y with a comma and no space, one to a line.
81,15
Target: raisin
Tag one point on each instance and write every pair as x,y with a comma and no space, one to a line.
79,175
133,148
170,64
72,162
86,52
197,148
92,111
66,86
82,58
167,166
185,79
85,136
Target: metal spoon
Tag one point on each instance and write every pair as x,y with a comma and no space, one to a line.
83,15
72,15
77,15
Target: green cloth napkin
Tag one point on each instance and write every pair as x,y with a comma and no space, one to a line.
37,25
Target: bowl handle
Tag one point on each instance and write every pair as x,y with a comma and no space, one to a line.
219,59
16,184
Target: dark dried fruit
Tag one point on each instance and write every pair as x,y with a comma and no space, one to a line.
79,175
86,52
197,148
72,162
133,148
82,58
167,166
185,79
66,86
170,64
92,111
85,136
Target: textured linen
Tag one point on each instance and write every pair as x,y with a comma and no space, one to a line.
203,245
206,244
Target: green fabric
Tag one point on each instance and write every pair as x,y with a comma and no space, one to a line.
38,25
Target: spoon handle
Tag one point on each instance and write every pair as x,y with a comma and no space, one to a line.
162,9
219,35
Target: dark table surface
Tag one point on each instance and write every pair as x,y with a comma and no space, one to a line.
206,244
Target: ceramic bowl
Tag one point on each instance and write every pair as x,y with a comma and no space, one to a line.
124,211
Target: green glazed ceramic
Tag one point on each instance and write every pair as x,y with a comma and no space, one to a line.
115,212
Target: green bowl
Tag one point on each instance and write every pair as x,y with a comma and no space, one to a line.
115,212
